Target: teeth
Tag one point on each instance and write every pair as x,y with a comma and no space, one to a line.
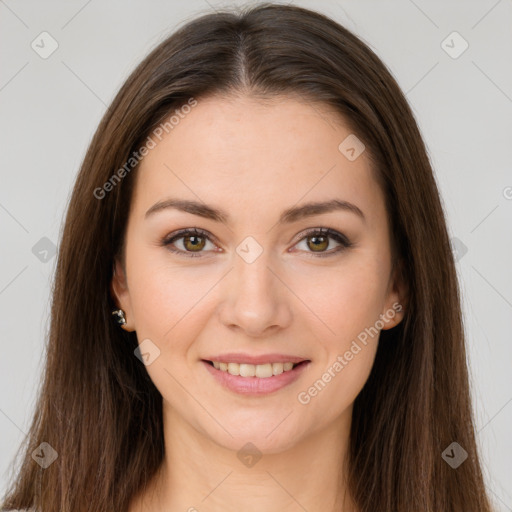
245,370
262,371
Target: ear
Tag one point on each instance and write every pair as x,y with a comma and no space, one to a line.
121,294
397,299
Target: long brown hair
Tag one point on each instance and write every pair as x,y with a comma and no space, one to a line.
98,408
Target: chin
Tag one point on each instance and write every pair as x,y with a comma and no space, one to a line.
259,437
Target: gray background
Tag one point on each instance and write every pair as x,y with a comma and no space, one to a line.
51,107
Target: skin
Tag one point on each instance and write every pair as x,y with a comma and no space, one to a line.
254,160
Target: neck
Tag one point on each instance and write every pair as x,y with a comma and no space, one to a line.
198,474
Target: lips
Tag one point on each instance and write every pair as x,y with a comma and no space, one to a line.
257,385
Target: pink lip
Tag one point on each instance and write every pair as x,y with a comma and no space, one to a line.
251,359
255,386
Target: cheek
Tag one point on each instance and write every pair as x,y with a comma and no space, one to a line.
169,302
348,302
171,308
348,356
331,393
346,299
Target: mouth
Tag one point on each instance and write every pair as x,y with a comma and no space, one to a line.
250,379
261,371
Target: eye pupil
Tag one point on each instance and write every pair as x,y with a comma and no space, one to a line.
195,245
322,245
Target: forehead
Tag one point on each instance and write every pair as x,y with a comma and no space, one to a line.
247,153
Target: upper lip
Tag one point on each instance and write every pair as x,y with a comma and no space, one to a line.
252,359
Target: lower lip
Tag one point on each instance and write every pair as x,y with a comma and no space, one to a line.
255,385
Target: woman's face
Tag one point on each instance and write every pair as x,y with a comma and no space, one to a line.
258,282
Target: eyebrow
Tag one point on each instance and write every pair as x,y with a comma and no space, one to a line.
288,216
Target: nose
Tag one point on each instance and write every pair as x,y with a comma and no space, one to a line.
255,301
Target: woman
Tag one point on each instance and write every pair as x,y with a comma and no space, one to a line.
255,304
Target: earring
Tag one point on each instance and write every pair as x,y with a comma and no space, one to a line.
118,315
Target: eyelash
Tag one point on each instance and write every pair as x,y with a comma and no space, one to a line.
338,237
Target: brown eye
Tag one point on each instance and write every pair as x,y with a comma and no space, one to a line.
193,243
188,242
318,243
